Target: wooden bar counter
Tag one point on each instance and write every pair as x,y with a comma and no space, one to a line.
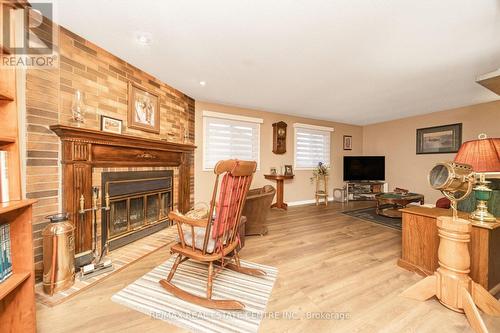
420,244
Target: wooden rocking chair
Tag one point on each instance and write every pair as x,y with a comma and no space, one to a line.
215,240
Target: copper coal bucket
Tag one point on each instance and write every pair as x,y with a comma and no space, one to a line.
58,254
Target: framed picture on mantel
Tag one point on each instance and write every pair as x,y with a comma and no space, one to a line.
111,125
143,109
439,139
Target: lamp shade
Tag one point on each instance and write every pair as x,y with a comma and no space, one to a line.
482,154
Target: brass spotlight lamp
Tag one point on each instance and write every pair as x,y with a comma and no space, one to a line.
454,180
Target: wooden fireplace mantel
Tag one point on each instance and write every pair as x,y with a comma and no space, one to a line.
84,149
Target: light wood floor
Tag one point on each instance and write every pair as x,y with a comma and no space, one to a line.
328,262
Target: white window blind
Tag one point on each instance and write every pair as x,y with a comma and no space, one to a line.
311,146
229,138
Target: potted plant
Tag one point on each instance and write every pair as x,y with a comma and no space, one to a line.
320,171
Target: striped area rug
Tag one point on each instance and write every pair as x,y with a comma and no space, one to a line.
147,296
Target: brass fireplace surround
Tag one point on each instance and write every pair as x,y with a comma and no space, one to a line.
139,205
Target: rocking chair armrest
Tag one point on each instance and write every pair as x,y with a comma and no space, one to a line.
178,217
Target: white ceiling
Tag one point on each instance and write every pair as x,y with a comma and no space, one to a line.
354,61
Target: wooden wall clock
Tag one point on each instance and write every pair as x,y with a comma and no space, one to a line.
279,137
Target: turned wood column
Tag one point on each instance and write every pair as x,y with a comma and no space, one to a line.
451,283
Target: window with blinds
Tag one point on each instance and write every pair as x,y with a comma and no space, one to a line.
312,145
230,137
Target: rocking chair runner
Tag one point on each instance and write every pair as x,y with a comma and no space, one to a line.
215,241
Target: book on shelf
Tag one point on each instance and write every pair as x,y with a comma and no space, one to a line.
4,177
5,253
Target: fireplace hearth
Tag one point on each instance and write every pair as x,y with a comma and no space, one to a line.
139,205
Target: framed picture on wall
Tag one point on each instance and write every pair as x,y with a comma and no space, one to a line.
143,109
111,125
347,142
439,139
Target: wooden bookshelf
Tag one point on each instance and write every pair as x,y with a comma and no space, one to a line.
17,293
6,140
5,50
6,207
12,283
5,96
7,92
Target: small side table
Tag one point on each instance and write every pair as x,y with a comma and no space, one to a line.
279,189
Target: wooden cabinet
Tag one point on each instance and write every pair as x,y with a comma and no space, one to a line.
420,244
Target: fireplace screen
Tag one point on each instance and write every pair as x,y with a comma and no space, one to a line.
140,202
118,217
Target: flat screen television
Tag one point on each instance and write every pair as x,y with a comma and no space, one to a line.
364,168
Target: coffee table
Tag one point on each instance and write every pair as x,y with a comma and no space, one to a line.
388,204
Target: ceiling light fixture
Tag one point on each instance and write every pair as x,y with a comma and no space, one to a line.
144,38
203,83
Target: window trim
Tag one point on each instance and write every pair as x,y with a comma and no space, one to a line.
230,116
313,127
210,114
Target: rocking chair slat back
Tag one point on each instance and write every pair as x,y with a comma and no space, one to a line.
236,179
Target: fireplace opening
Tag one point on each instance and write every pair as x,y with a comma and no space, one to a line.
139,205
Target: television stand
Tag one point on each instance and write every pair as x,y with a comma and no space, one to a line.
364,190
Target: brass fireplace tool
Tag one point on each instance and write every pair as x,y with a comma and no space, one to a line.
451,283
97,266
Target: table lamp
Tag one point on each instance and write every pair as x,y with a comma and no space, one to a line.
483,155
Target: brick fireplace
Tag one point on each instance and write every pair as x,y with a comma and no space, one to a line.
103,79
145,178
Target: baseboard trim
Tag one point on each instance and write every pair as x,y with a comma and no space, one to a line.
305,202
